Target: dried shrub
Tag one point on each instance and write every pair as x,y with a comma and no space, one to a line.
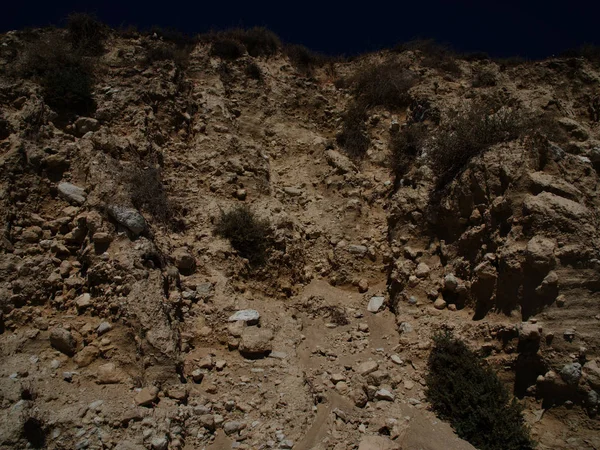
405,147
335,314
354,138
252,70
148,193
470,132
65,76
385,85
303,59
86,34
435,55
165,51
470,396
258,41
250,236
175,37
590,52
228,49
484,77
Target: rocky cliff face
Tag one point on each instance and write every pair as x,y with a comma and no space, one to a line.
117,296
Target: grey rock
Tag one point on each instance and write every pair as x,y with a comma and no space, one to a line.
71,193
292,191
128,217
233,427
405,327
83,301
530,332
384,394
160,443
339,161
256,342
84,125
450,282
360,250
422,270
184,260
63,341
375,304
571,373
104,327
249,316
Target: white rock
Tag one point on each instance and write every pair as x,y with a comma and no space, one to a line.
71,193
384,394
250,316
375,304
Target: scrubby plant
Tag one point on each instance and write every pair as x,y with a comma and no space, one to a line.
385,85
405,147
467,393
354,138
228,49
469,133
303,59
86,34
172,36
252,70
484,77
258,41
148,193
435,55
249,235
165,51
65,76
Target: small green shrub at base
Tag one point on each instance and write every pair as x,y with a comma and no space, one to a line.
470,396
249,236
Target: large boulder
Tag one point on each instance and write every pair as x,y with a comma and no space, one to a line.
540,253
256,342
184,260
340,162
63,341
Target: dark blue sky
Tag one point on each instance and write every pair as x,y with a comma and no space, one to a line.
531,29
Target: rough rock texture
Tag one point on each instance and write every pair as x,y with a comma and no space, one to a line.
124,288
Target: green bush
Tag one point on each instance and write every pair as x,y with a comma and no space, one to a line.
353,138
469,133
385,85
86,34
470,396
248,234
